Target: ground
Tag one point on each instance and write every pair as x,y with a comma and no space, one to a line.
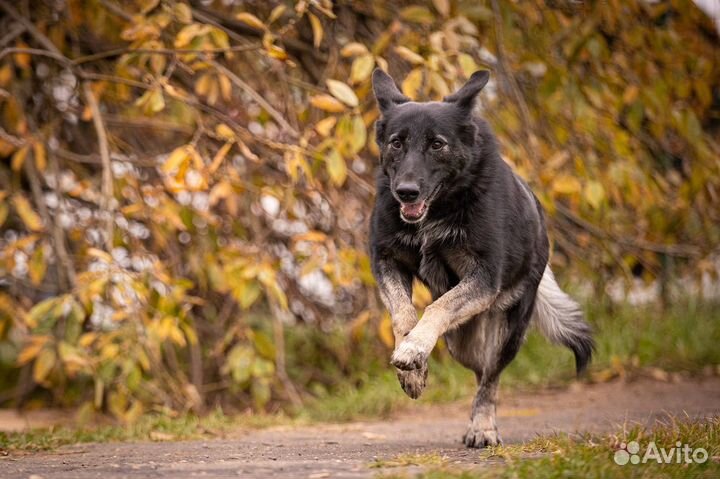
405,444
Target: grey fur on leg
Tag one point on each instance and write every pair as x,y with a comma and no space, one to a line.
482,430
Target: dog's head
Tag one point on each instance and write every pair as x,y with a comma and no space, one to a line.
425,148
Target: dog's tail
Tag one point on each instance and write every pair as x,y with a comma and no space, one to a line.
561,320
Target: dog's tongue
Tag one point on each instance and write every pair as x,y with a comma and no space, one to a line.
412,210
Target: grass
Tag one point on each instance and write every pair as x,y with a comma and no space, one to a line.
629,339
564,456
150,427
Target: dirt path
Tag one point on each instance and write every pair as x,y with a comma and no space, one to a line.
347,450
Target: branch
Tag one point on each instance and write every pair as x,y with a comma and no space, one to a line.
37,34
107,183
11,35
58,234
13,140
39,52
680,250
504,71
277,116
162,51
64,267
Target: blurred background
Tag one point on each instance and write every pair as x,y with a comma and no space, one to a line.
185,190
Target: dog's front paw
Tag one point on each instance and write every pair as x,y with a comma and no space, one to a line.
479,438
413,382
409,356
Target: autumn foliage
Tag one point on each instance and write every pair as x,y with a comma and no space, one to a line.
183,182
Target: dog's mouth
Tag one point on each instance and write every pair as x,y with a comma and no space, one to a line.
416,212
413,212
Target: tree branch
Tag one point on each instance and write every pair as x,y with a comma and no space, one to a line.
681,250
107,183
239,82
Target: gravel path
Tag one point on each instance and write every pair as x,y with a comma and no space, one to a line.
348,450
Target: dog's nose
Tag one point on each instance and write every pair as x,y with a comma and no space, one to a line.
407,192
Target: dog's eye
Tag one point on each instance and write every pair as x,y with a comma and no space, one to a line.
437,144
397,144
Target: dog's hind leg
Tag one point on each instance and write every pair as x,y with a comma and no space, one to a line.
478,345
486,345
482,430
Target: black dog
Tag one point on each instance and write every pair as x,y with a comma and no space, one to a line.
451,212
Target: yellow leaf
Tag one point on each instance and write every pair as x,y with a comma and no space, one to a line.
342,92
247,152
421,295
225,132
23,208
417,14
317,30
4,210
182,12
327,103
221,190
412,83
409,55
22,59
313,236
40,156
336,167
19,158
151,101
276,13
202,87
6,73
37,266
178,157
43,365
225,87
251,20
385,331
246,293
30,351
276,52
157,63
219,157
353,49
437,83
188,33
361,68
325,125
594,194
99,254
566,185
359,134
443,7
467,64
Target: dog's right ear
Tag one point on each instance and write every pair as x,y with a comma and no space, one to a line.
386,91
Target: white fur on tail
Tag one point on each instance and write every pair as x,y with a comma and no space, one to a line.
561,320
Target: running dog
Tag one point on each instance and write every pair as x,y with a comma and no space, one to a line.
451,213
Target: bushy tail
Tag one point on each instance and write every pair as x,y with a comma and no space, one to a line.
561,320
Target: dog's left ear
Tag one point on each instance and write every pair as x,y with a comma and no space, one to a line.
465,96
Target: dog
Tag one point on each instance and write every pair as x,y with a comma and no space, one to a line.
451,213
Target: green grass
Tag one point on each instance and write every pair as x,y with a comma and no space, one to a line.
150,427
629,339
564,456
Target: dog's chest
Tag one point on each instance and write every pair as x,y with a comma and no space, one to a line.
438,247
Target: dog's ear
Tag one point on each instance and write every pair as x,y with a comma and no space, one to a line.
465,97
386,91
